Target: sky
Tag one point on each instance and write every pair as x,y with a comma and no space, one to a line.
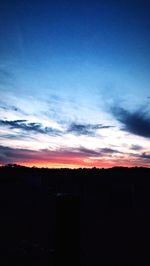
75,83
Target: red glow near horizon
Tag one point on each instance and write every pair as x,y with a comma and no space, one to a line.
71,159
73,165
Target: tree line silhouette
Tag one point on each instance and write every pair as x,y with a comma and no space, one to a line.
74,217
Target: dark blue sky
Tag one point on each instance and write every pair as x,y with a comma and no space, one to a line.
83,61
114,31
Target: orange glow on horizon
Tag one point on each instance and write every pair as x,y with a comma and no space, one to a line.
71,165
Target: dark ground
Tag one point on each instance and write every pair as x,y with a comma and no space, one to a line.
74,217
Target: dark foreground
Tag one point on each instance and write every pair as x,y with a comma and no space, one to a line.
74,217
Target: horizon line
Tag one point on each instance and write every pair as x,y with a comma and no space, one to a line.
67,168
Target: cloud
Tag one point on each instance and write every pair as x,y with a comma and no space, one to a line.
66,156
136,147
26,126
137,122
101,152
97,152
9,155
145,155
85,129
7,107
12,136
108,150
77,129
88,152
80,157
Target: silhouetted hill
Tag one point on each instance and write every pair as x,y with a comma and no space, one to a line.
74,217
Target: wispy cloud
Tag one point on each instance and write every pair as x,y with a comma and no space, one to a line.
73,128
97,152
13,136
28,126
7,107
85,129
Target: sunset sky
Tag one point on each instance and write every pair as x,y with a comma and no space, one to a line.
75,83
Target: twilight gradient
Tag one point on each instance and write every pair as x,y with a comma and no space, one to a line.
74,83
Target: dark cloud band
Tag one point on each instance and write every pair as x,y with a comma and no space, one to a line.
137,123
68,156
